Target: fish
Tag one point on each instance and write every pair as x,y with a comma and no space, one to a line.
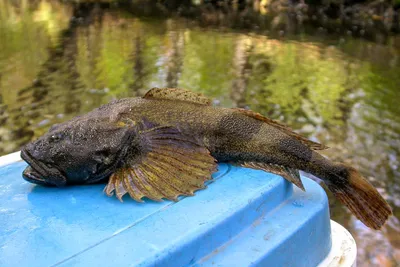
168,143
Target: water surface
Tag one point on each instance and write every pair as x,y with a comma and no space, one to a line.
57,62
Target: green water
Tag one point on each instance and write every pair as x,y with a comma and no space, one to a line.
340,91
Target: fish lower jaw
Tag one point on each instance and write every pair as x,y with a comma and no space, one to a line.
30,175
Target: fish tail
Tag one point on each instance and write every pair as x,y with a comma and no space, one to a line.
359,196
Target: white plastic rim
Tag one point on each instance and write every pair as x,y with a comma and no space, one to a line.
344,249
10,158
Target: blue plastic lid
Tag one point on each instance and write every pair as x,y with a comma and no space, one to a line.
244,218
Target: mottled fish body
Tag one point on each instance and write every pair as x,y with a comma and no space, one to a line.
167,143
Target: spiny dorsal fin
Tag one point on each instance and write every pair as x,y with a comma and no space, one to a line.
174,164
283,128
177,94
292,175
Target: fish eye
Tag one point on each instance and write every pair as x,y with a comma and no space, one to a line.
55,137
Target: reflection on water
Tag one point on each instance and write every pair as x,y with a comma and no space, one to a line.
57,61
29,33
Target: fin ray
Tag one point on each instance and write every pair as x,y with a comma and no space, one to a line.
196,175
292,175
133,192
170,190
189,179
363,200
177,94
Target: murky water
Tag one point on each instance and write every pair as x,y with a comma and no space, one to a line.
342,92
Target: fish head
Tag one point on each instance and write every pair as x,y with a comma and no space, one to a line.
79,151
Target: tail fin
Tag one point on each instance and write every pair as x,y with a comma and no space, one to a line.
360,197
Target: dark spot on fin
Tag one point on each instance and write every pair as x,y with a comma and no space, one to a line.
292,175
174,164
177,94
360,197
283,128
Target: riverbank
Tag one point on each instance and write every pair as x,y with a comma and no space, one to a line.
373,20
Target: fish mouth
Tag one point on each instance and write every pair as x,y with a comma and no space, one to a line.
38,173
32,176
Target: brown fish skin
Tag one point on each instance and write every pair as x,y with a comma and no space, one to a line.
227,133
230,135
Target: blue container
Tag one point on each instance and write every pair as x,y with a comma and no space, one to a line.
244,218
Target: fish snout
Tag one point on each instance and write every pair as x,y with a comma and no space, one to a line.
34,149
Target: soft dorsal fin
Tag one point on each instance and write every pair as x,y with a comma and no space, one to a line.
283,128
177,94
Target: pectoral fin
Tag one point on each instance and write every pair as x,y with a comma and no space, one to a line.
289,174
173,164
